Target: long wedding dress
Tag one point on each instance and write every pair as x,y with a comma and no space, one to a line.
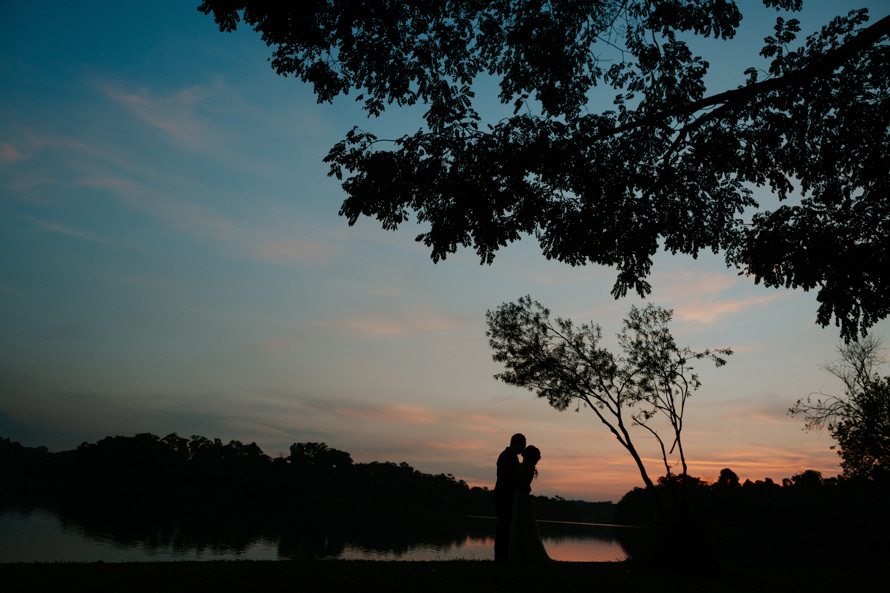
525,539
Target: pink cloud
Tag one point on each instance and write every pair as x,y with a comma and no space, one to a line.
758,411
758,463
9,155
275,247
109,183
257,244
443,449
379,327
397,414
176,115
685,285
708,312
697,296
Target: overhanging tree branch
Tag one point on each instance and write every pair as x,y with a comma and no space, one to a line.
734,99
672,168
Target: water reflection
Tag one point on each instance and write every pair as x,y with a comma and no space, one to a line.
564,549
41,535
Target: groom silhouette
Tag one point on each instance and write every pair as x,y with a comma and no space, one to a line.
504,488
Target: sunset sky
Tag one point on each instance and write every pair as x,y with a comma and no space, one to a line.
172,260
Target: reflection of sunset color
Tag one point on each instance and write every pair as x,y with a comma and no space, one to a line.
583,550
563,549
172,260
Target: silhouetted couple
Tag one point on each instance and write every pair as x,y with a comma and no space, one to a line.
517,538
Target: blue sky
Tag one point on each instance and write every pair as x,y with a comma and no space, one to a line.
171,260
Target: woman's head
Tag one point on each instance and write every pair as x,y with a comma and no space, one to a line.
531,455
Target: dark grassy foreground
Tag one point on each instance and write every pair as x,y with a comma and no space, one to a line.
422,577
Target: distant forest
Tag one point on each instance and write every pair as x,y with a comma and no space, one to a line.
207,479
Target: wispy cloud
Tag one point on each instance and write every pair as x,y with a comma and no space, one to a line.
388,292
177,114
9,154
757,410
272,346
69,231
686,285
389,325
756,462
259,244
611,476
53,155
437,450
195,119
708,312
389,413
12,291
113,184
699,297
215,121
271,247
200,221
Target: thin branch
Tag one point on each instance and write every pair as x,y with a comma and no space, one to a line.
735,98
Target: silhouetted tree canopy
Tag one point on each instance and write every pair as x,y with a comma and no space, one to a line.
667,164
318,455
728,479
859,419
807,521
206,478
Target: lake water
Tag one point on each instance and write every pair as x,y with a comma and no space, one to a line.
39,535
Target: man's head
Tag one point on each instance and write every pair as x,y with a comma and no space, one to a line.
517,443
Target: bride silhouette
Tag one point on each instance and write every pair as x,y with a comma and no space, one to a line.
525,539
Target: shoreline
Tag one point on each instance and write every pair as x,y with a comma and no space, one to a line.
425,576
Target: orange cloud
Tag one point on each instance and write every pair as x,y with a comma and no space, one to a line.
760,467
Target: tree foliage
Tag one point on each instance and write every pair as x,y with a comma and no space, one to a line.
668,165
215,482
859,419
798,522
568,366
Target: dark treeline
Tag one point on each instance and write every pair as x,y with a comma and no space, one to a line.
314,501
807,520
225,485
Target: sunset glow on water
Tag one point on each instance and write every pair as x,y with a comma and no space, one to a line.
578,549
39,536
